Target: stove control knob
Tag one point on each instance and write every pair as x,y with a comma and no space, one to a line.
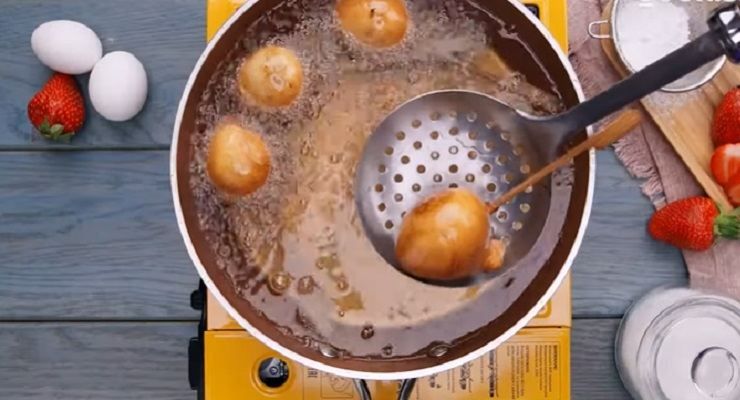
273,372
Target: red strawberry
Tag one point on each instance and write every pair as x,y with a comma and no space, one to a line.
725,162
693,223
732,188
57,110
726,125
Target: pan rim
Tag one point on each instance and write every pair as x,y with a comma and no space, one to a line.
350,373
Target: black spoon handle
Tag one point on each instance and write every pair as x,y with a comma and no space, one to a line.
721,39
704,49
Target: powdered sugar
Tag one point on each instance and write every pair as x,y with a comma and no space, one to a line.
647,30
647,34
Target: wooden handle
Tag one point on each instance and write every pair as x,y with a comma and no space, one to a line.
608,134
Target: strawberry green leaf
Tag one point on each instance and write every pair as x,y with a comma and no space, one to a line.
44,127
728,225
56,130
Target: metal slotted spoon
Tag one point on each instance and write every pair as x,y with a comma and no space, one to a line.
458,138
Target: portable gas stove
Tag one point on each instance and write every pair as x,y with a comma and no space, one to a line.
226,363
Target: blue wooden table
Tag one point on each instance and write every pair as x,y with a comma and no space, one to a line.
94,278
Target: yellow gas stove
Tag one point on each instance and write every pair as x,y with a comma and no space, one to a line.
226,363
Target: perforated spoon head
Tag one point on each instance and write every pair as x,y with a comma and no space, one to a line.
449,139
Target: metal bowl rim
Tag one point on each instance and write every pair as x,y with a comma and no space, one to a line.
717,66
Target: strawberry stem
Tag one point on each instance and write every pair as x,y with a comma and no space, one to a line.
54,132
727,225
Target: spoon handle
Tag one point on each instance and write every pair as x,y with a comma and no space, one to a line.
723,38
610,133
704,49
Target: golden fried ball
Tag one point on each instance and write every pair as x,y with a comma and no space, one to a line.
446,237
272,76
377,23
238,160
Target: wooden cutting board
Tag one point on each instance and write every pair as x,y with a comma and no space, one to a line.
686,118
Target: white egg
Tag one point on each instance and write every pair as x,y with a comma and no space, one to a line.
66,46
118,86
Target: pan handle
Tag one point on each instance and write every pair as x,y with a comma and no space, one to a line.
404,393
362,389
595,32
407,386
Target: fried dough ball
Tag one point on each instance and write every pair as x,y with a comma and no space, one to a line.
377,23
238,160
446,237
272,76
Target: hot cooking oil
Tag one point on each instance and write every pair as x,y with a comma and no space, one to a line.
303,222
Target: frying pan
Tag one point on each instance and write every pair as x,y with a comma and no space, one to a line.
431,329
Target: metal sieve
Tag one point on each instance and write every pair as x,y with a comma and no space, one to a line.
615,25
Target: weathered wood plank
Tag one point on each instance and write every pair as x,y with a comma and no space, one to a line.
149,361
594,375
92,235
167,36
95,361
619,260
